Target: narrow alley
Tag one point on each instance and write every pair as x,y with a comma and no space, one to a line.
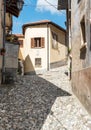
42,102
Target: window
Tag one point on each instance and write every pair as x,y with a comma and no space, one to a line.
54,40
79,1
37,62
83,31
37,42
21,43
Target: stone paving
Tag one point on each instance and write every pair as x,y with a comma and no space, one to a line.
42,102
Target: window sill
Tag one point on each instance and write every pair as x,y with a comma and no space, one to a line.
37,47
84,46
38,66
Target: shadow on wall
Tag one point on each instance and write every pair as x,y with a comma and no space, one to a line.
63,42
90,35
29,104
20,56
83,53
28,66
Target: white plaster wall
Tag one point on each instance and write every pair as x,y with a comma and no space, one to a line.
36,52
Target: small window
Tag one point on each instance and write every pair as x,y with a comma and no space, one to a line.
37,62
54,40
21,43
37,42
79,1
83,31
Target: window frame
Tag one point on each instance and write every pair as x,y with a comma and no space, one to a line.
38,63
37,45
79,1
37,42
83,30
54,40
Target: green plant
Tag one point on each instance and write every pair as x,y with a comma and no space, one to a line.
11,38
69,50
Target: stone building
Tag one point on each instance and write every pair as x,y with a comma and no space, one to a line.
80,28
44,46
7,9
81,50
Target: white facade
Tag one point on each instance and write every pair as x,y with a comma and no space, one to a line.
43,55
36,52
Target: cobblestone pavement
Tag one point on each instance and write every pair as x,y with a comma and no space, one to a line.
42,102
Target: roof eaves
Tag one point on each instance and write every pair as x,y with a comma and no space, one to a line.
41,23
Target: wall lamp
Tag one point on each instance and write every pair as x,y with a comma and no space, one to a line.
20,4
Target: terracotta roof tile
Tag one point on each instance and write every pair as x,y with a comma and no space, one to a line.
19,35
41,22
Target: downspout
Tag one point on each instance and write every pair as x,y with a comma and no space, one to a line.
48,66
67,28
69,37
69,22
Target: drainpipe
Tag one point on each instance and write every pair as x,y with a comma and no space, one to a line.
67,27
48,66
69,36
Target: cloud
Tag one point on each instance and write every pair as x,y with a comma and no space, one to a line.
47,5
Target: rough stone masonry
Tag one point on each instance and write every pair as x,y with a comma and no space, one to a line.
42,102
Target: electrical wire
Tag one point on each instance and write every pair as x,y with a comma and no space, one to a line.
49,4
34,5
54,6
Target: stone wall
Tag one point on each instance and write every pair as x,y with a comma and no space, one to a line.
79,11
81,86
81,51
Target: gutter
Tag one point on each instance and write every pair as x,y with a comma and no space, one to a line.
48,66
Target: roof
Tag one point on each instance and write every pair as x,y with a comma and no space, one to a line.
19,35
62,4
11,7
42,22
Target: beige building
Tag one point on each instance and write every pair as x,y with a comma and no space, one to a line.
44,46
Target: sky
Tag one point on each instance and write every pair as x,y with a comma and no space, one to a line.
36,10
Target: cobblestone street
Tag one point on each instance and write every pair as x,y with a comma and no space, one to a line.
42,102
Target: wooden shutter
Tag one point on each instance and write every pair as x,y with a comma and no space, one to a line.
42,42
62,4
32,42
